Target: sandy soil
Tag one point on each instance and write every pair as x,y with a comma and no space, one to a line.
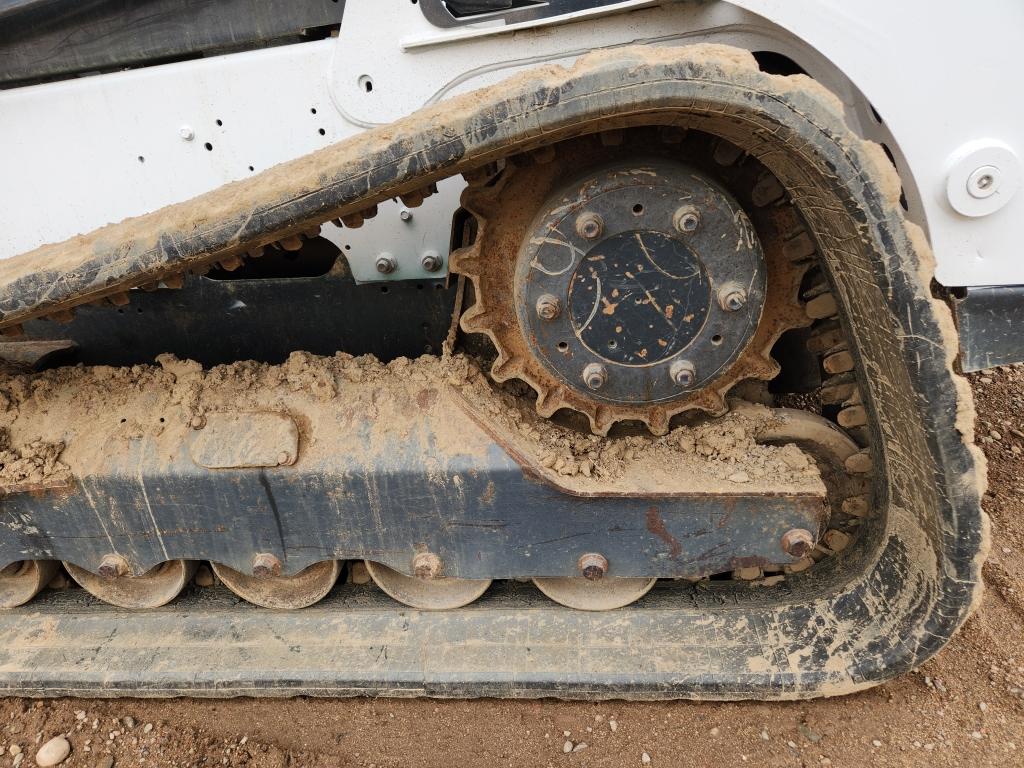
963,708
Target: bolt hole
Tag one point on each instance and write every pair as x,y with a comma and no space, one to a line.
312,110
383,289
251,168
322,132
162,420
209,146
717,339
562,346
613,344
348,247
123,420
142,159
366,83
219,121
638,209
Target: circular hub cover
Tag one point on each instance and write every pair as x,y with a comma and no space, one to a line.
640,283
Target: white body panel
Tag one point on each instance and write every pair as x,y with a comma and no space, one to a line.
70,151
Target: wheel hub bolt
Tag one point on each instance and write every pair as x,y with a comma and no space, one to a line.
548,307
595,375
112,566
686,219
431,261
589,225
683,373
593,566
426,566
386,264
797,542
265,565
732,297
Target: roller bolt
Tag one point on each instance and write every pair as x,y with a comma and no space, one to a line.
732,297
595,375
431,261
593,566
426,566
386,264
589,225
686,219
683,373
265,565
548,307
113,566
797,542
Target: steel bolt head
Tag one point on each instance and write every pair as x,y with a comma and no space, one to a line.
797,542
686,219
431,261
593,566
426,566
732,297
265,565
186,132
683,373
405,215
548,307
595,375
589,225
113,566
386,264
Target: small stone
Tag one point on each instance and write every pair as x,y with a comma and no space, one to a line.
567,734
14,749
107,761
18,759
129,721
614,725
53,752
147,728
977,735
79,714
645,759
876,743
995,435
567,747
580,747
985,380
715,731
739,477
764,735
807,733
982,706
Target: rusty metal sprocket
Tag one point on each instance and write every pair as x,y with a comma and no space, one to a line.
506,208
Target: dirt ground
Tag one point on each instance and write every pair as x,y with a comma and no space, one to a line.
963,708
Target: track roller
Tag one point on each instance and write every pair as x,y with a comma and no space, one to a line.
21,581
428,594
605,594
306,587
156,587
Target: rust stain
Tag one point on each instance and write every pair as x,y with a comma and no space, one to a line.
426,398
609,307
488,495
657,526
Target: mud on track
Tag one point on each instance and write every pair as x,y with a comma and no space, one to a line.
963,708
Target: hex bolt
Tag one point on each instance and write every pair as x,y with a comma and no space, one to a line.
113,566
548,307
426,566
983,182
797,542
186,132
732,297
595,375
405,215
683,373
431,261
589,225
386,264
593,566
265,565
686,219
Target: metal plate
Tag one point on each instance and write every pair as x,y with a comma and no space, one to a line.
989,321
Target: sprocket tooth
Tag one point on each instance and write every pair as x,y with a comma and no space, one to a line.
474,320
550,401
465,261
657,420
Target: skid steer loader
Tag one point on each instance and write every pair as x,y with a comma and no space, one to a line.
575,348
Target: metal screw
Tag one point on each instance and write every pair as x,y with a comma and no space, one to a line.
426,566
265,565
431,261
595,375
983,182
686,219
797,542
405,215
683,373
112,566
186,132
732,297
386,264
589,225
548,307
593,566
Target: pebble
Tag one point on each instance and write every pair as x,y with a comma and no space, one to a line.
645,759
567,734
53,752
738,477
567,747
715,731
80,714
614,725
129,721
807,733
995,435
876,743
764,735
147,728
580,747
107,761
985,380
14,749
18,759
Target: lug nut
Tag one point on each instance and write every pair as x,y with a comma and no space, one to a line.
797,542
113,566
426,566
386,264
431,261
683,373
732,297
548,307
686,219
595,375
589,225
265,565
593,566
